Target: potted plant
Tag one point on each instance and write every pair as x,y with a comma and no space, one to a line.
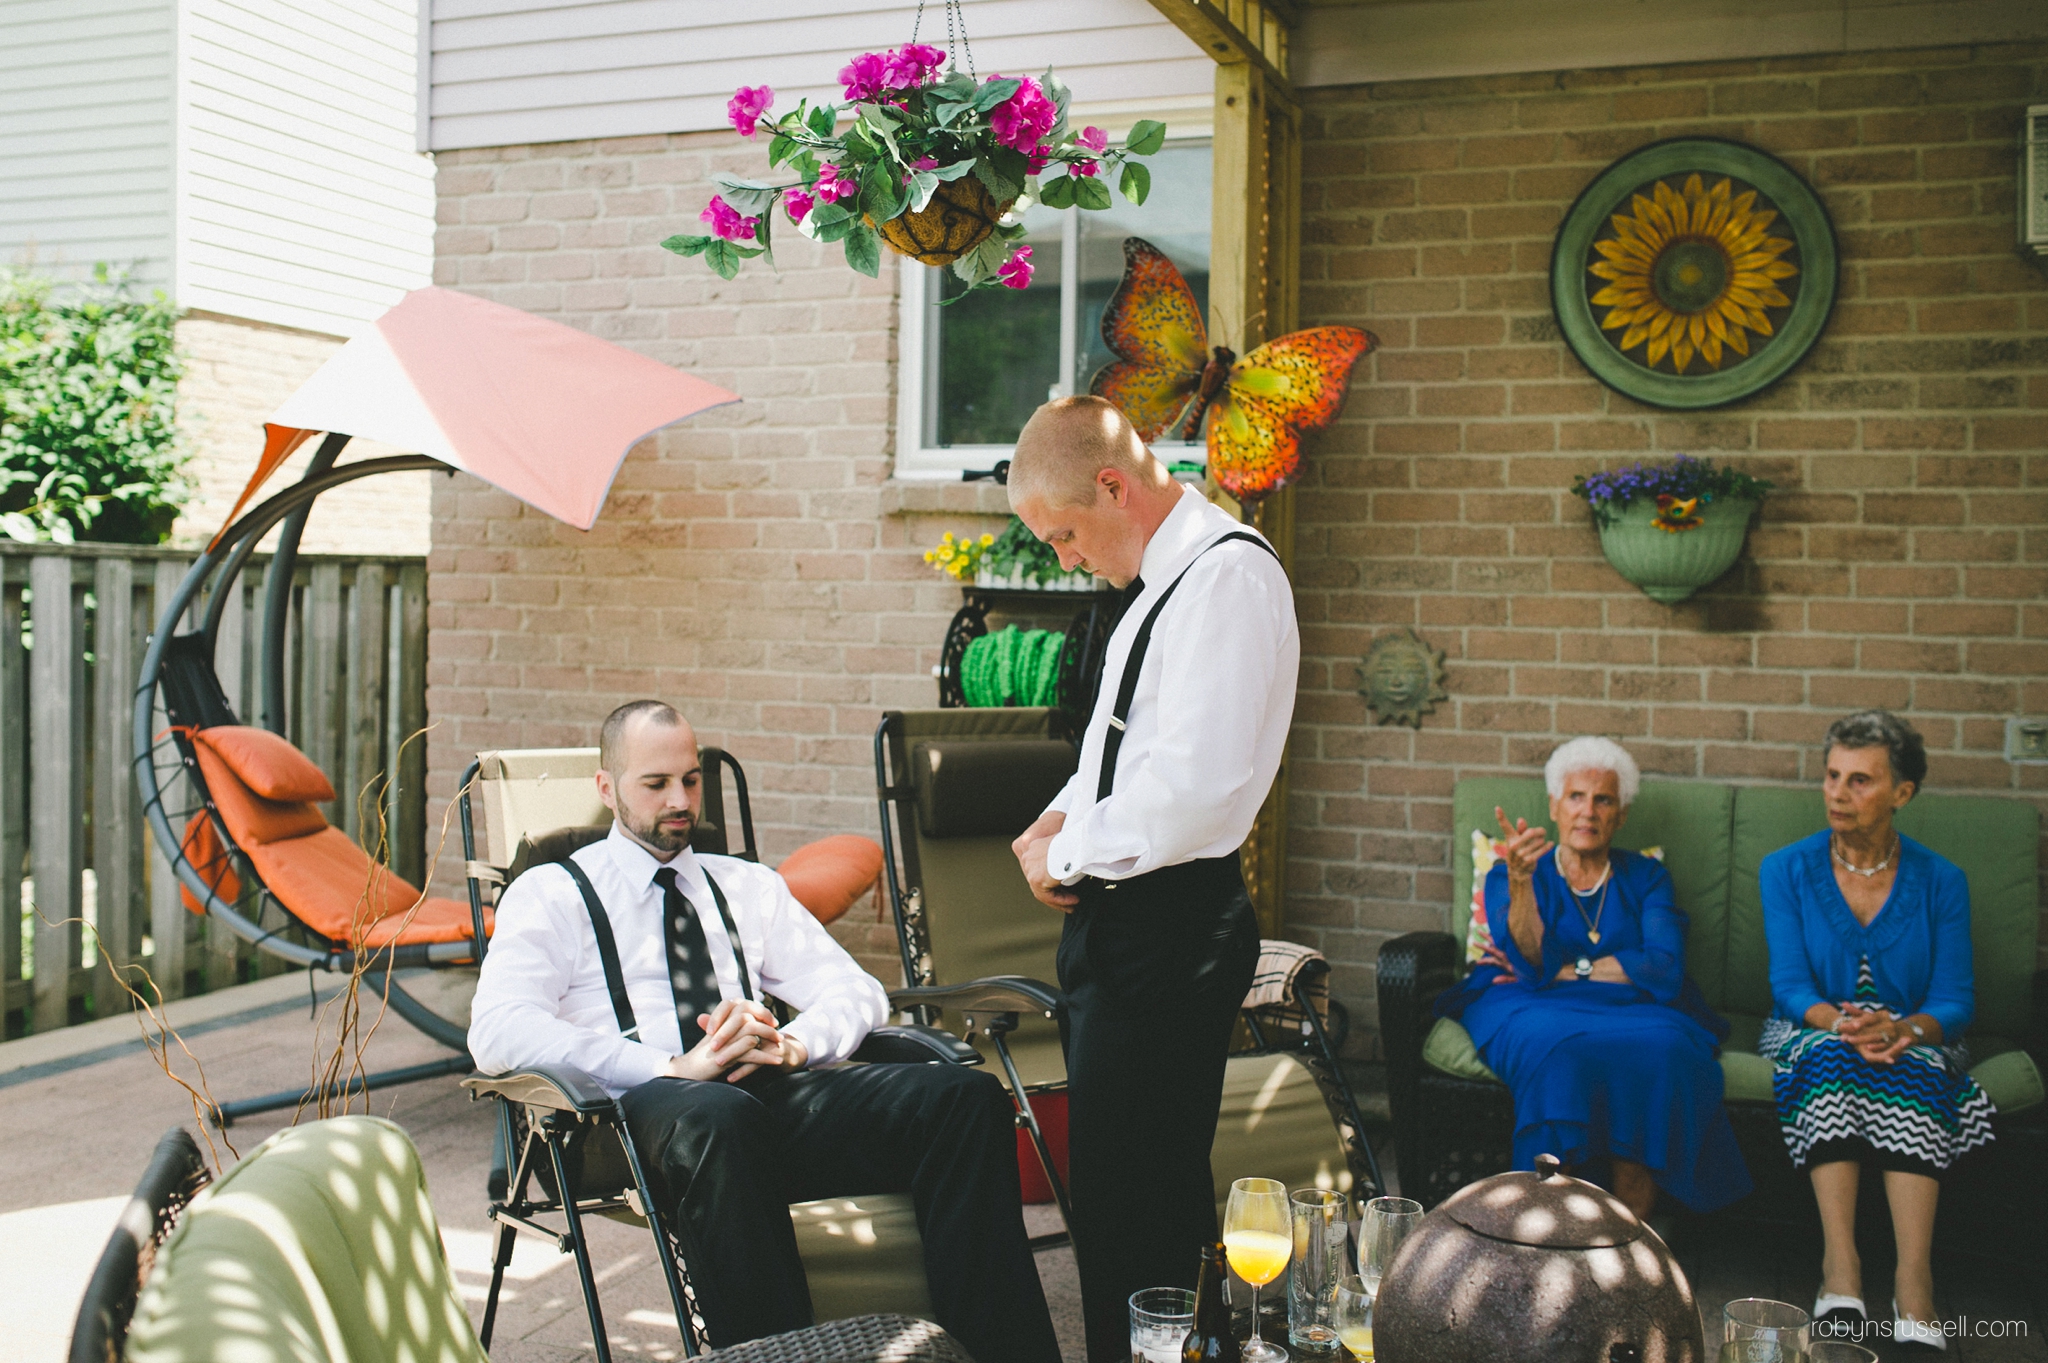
1016,558
937,167
1671,527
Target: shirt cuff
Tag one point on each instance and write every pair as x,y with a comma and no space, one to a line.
637,1063
1065,856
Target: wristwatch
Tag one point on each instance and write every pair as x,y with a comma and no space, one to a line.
1919,1032
1584,969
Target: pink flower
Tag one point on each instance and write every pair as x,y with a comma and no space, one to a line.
1081,167
797,204
1038,159
1023,119
726,222
834,184
1092,139
865,77
1016,271
925,163
912,65
746,106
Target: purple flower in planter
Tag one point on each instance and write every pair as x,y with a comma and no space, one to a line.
725,221
1092,139
1016,271
747,105
1022,120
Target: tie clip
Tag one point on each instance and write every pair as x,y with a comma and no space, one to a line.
1116,723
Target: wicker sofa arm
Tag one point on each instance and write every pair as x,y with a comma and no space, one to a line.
1411,971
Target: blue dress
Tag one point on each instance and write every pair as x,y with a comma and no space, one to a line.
1602,1069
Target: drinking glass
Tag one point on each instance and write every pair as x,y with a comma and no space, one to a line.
1260,1241
1388,1221
1352,1316
1320,1239
1160,1320
1755,1330
1839,1351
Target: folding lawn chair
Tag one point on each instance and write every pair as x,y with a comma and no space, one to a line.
557,1127
955,787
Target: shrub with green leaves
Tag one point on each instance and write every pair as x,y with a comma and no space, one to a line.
89,443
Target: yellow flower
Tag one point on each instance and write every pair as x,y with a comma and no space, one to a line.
1692,270
987,540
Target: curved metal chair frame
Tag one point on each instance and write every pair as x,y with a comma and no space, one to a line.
181,665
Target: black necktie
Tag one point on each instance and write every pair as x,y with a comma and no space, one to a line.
689,957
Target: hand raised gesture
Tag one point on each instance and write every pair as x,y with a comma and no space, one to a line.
1526,846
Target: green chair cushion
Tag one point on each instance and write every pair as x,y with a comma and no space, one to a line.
2010,1079
320,1245
1448,1049
862,1255
1746,1077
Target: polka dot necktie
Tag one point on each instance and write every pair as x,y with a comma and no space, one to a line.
689,957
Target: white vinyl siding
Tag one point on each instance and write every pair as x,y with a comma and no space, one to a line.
302,201
86,130
510,72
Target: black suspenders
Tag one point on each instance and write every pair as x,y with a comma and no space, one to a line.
608,947
1128,688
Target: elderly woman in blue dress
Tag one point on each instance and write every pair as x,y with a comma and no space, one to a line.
1872,983
1583,1007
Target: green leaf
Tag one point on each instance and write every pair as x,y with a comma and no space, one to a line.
881,198
688,246
1147,136
1090,193
946,112
1136,182
752,198
723,257
980,265
1057,193
780,148
826,214
880,116
995,92
922,186
957,85
954,171
823,119
864,250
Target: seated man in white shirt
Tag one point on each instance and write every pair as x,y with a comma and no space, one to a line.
736,1117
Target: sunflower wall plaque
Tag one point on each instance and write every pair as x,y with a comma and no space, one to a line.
1693,273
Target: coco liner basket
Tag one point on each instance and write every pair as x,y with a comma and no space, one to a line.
961,216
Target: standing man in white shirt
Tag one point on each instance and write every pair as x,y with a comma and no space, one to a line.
737,1117
1141,848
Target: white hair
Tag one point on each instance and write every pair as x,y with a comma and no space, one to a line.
1593,754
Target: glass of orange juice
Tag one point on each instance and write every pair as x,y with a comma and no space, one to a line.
1258,1234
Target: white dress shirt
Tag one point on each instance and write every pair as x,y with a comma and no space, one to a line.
541,996
1209,719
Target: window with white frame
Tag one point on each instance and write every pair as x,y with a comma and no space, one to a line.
974,368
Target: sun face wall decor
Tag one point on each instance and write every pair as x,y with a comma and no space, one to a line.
1693,273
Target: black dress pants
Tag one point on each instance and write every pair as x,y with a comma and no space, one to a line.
726,1160
1155,970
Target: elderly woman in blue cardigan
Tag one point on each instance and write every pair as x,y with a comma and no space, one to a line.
1871,977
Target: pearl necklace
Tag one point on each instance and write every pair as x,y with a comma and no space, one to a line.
1835,846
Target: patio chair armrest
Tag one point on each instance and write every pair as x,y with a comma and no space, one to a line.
996,994
914,1045
1411,971
562,1088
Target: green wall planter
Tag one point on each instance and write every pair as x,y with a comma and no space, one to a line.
1670,566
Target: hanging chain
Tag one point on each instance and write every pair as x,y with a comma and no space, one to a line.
956,35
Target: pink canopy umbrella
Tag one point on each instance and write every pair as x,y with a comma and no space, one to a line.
539,409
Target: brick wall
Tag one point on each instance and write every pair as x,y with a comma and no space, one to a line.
752,565
236,374
1903,563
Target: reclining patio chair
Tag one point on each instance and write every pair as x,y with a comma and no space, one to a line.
955,787
557,1127
289,1255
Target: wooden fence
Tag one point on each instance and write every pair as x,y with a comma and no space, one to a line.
74,621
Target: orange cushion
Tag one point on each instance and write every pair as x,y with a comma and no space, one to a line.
267,764
209,856
831,875
333,887
252,820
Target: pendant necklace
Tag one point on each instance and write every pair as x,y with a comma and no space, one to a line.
1835,846
1600,910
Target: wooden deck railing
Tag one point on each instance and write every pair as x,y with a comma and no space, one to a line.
74,621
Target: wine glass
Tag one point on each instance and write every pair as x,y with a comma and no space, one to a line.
1353,1317
1388,1221
1258,1234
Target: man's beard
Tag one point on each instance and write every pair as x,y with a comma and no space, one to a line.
670,841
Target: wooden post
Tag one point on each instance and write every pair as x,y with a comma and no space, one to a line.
168,919
407,676
116,815
363,711
320,652
56,838
13,790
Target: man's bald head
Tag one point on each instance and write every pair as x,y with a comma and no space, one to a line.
1067,443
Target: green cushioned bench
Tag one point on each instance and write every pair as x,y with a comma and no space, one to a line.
1714,839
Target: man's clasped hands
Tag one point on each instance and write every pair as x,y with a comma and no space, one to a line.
740,1036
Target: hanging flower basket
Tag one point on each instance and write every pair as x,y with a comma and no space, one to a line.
1672,528
935,163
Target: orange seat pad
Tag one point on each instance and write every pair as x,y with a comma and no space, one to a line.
332,886
830,876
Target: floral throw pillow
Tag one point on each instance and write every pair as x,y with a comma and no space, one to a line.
1485,852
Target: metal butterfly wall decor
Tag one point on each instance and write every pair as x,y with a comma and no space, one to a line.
1168,379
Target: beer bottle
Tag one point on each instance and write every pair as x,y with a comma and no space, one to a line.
1211,1341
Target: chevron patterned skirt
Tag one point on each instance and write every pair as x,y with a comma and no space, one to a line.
1924,1108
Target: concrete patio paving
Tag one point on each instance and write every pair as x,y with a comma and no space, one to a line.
81,1110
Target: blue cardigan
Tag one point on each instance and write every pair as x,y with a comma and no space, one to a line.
1919,943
